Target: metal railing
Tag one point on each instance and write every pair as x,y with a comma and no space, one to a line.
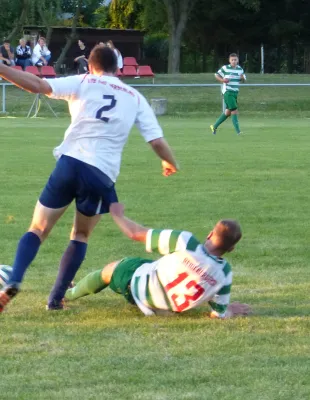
173,85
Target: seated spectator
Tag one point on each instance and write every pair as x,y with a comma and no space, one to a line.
7,54
81,59
41,54
23,54
117,53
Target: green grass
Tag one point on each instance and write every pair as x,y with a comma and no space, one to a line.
103,348
196,102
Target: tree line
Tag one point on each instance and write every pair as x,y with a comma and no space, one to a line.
184,35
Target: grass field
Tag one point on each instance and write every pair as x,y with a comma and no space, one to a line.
103,348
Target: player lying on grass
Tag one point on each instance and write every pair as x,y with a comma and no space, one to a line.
230,76
188,274
103,110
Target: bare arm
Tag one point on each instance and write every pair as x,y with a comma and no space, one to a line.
25,80
163,150
220,79
130,228
3,58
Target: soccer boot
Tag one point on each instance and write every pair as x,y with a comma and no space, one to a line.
7,294
56,305
213,130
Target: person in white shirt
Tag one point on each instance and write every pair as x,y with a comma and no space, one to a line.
117,53
188,274
41,55
103,110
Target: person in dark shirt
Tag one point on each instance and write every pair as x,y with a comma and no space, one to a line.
23,54
81,59
7,54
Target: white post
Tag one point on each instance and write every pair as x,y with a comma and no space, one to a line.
3,97
262,57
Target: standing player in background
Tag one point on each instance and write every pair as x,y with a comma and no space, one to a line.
188,274
103,110
230,76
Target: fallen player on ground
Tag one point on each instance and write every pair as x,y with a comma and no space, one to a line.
188,274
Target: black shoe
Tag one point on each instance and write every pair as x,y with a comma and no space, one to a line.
7,294
55,305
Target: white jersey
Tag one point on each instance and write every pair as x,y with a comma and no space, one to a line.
183,279
103,110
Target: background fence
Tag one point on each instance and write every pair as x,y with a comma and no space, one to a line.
186,98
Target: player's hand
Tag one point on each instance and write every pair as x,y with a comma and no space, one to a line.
168,169
225,80
235,309
117,210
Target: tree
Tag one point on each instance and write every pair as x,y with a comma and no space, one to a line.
72,37
178,12
124,14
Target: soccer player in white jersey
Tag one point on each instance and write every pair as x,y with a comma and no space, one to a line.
230,76
103,110
188,274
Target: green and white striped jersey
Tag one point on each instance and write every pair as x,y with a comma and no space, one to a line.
183,278
233,74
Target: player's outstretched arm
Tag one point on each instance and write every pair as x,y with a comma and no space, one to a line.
25,80
130,228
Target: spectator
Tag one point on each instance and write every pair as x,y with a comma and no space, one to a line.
7,54
117,53
81,60
23,54
41,54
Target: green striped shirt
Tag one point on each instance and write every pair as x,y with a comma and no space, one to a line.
234,75
183,278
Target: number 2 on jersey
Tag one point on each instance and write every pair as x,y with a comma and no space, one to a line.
188,298
106,108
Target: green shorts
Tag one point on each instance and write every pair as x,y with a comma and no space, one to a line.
231,100
122,275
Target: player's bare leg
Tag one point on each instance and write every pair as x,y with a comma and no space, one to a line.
72,258
92,283
43,221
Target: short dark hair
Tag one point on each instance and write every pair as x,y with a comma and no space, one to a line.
6,41
228,233
233,55
103,59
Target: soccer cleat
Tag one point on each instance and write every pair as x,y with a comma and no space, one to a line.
7,294
213,130
56,305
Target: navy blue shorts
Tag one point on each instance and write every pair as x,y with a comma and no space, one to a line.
71,179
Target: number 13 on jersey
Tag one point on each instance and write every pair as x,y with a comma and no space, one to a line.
187,298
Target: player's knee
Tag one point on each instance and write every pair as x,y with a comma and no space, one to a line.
42,233
79,235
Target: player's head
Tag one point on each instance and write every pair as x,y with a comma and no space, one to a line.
225,235
233,59
102,60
